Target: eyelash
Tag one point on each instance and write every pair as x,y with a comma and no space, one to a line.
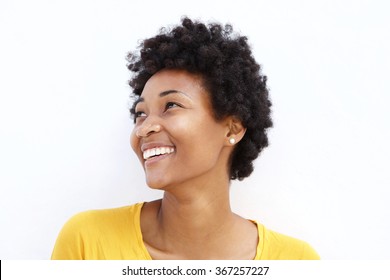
138,114
168,106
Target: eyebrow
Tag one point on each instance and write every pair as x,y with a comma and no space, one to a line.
161,94
167,92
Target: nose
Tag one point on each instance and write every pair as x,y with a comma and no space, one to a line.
147,128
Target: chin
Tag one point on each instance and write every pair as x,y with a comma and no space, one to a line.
156,184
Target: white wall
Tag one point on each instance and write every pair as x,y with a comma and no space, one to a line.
64,124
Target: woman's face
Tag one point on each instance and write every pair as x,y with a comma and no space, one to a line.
176,137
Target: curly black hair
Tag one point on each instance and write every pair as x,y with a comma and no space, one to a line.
229,73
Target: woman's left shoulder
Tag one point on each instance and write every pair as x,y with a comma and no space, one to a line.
278,246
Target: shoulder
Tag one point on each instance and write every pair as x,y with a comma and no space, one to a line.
86,229
94,219
279,246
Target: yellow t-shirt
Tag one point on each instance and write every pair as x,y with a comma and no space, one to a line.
115,234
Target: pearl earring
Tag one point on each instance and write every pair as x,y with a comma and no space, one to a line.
232,141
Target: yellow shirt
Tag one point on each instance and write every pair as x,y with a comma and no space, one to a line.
115,234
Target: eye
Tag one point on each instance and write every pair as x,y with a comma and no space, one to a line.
139,114
170,105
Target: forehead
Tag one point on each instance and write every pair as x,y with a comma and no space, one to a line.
169,79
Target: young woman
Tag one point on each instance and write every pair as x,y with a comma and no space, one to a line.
201,114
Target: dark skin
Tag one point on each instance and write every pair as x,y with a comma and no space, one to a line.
194,219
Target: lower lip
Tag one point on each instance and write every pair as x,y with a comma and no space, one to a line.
153,160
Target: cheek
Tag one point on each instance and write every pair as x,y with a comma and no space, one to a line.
199,135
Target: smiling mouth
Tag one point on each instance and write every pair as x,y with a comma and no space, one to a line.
149,153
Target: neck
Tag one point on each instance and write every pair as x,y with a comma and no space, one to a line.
197,224
191,218
195,218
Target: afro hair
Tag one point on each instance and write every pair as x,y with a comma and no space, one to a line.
229,72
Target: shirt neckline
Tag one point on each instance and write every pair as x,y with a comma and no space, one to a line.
145,252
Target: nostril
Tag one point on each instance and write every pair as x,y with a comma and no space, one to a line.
145,131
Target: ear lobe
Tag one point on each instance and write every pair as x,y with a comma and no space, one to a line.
236,130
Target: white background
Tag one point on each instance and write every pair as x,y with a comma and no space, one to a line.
64,121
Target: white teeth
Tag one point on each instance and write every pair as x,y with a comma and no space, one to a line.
157,151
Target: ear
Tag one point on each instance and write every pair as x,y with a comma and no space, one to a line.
235,132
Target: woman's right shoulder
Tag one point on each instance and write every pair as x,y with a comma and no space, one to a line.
91,219
80,235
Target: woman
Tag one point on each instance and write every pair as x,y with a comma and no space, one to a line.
201,115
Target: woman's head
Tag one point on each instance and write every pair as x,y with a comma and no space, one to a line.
227,70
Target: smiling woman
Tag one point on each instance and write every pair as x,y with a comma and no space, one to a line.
175,113
201,114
